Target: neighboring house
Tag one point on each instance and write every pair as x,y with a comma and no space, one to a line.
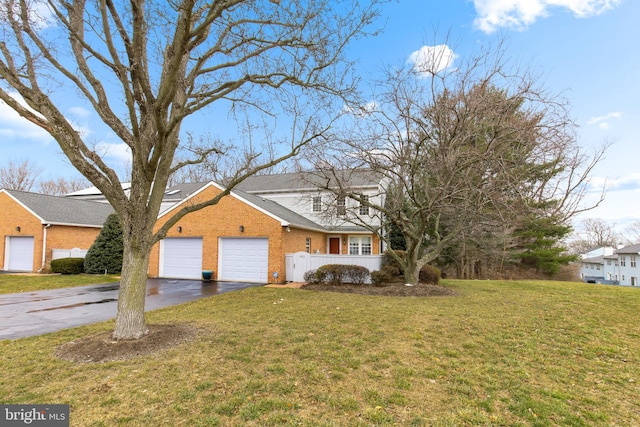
271,229
33,226
628,266
622,267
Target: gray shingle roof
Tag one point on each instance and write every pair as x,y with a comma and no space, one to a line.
279,211
632,249
64,210
301,181
182,191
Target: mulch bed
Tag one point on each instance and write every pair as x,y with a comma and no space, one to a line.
102,348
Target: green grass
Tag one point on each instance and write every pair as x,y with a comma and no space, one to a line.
501,353
13,283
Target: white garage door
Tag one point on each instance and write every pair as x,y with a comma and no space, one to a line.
181,258
244,260
19,254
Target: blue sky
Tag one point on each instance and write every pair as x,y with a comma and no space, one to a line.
586,50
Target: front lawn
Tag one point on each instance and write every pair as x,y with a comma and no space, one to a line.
13,283
497,353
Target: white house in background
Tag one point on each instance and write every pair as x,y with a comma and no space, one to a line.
622,267
629,265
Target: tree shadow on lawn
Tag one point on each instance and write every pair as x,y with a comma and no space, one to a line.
102,348
396,289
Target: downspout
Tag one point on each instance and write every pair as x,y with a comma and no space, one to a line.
44,247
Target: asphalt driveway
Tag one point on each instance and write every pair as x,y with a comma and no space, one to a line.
36,313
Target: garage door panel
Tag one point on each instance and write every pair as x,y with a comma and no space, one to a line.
244,259
181,258
19,253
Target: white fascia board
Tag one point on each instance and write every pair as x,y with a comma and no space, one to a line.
70,224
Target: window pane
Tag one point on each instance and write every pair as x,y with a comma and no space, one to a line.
342,210
364,210
354,246
365,247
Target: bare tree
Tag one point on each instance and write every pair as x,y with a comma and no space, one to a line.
21,177
61,186
594,233
478,146
632,233
147,66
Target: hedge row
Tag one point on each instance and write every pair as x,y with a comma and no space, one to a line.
68,265
338,274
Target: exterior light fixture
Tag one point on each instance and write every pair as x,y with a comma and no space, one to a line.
288,229
18,229
242,228
179,229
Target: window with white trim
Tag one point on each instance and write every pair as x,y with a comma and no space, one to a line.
360,245
341,203
364,209
633,261
308,245
317,204
623,261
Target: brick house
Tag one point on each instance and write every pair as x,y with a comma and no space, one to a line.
249,235
33,226
245,237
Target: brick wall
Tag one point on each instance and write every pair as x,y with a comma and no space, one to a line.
224,220
13,215
66,237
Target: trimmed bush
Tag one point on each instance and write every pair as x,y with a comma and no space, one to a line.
355,274
105,255
379,277
68,265
430,275
391,271
311,277
337,274
389,261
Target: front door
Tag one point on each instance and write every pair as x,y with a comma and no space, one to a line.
334,245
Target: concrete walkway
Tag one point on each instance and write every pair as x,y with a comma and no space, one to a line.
35,313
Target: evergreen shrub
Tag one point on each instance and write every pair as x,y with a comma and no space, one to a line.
105,255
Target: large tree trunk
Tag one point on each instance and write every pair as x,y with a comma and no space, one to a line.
412,265
130,322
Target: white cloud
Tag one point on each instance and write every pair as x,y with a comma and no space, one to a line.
79,112
430,60
519,14
603,121
118,152
362,110
14,126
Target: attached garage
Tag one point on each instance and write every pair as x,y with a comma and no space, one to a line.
19,253
181,257
243,259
